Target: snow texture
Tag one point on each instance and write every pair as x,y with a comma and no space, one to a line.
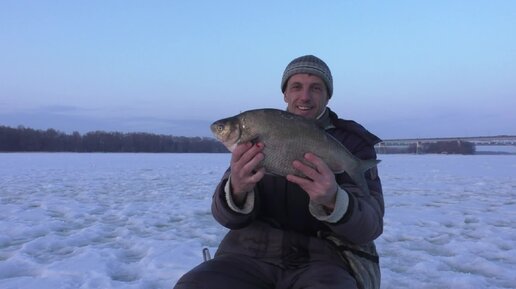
141,220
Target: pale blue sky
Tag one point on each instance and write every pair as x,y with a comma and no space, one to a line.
401,68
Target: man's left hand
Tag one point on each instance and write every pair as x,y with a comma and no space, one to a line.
319,183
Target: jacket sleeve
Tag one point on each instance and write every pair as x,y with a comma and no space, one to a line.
363,220
223,213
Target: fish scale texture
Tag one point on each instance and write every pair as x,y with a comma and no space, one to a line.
288,137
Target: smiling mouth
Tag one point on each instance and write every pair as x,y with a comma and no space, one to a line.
304,107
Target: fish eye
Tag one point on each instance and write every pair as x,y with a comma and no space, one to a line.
220,127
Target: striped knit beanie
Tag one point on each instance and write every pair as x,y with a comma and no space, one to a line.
311,65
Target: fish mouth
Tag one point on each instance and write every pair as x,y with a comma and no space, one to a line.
213,129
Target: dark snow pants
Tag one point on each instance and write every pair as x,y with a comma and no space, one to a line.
237,271
274,259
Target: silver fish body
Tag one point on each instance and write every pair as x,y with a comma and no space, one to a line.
288,137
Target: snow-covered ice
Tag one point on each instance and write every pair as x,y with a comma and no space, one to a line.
141,220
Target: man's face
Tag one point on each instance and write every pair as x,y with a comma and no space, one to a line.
306,95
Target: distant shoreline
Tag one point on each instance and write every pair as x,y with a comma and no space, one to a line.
23,139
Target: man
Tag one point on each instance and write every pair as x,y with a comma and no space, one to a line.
293,232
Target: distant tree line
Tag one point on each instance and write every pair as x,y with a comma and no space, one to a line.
23,139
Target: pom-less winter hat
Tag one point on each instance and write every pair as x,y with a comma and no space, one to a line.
311,65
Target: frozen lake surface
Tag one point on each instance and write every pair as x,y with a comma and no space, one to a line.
141,220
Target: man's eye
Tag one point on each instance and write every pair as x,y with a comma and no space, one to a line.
295,86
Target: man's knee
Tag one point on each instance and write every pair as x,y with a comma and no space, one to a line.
324,275
193,279
224,272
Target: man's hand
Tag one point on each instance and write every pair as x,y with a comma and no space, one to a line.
319,183
245,172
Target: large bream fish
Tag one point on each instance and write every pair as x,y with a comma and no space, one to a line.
287,137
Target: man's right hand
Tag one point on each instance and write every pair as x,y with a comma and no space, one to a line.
245,170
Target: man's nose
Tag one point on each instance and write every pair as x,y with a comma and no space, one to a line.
306,94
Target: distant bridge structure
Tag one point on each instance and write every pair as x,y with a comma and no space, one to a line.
500,140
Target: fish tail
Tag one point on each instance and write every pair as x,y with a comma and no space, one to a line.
368,164
358,175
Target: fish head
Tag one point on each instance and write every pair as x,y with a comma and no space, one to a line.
227,131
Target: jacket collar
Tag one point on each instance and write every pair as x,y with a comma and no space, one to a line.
324,120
